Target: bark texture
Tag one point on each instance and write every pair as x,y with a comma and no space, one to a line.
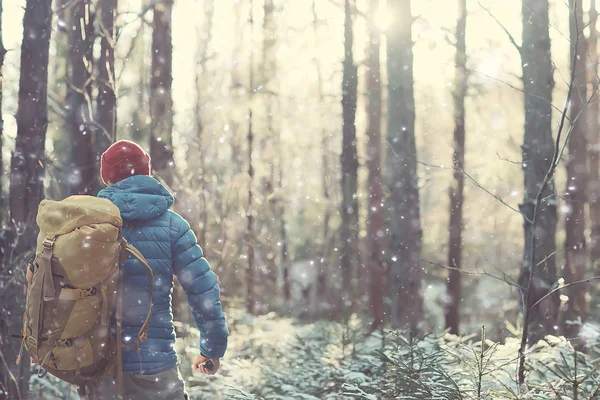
404,219
79,98
455,230
575,246
26,185
325,252
537,153
376,218
349,164
250,272
594,140
161,102
106,102
2,54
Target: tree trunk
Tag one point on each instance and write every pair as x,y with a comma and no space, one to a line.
594,137
325,252
60,169
27,164
2,54
106,101
537,154
575,249
250,273
376,220
404,222
454,286
27,177
161,103
204,37
140,126
349,164
79,98
271,148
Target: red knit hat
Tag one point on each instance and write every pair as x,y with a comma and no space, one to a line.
122,160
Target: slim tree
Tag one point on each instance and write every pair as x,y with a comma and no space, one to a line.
271,143
349,162
58,88
325,171
250,273
161,102
403,220
27,164
106,102
79,97
26,179
537,154
594,145
457,188
204,37
376,219
575,247
2,54
140,126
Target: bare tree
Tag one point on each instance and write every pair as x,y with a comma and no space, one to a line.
140,127
575,247
60,169
376,219
204,37
454,284
349,162
326,174
79,97
161,102
528,285
2,54
270,143
26,182
537,152
594,145
250,239
27,164
107,99
403,220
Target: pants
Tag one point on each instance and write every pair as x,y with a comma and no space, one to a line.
166,385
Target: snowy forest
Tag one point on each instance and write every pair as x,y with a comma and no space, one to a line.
401,198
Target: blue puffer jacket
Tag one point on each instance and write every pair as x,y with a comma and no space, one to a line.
170,247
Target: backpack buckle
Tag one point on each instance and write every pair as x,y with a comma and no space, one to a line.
48,243
31,341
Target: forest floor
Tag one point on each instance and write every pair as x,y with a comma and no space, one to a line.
270,357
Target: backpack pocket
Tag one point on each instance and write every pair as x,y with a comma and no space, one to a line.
73,354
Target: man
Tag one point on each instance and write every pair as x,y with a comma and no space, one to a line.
166,241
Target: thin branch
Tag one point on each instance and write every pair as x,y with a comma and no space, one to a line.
571,128
567,285
510,85
510,161
480,186
477,272
510,36
12,377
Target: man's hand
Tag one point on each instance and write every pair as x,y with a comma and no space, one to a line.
206,366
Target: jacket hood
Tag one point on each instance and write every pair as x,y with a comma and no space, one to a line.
139,197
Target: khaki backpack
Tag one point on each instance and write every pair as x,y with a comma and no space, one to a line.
75,286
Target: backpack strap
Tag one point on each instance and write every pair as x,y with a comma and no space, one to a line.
41,290
143,333
119,320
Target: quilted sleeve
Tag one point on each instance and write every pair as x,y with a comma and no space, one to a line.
200,286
